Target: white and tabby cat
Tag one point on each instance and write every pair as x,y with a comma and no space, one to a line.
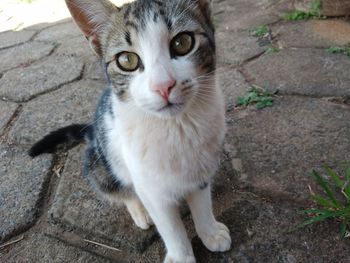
160,123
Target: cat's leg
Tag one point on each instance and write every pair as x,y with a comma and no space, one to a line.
166,217
214,235
138,213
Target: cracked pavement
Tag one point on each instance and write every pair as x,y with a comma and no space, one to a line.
49,78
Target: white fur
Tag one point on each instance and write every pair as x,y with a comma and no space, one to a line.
167,158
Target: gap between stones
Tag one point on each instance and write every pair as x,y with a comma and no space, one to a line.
44,202
81,74
37,32
55,47
10,123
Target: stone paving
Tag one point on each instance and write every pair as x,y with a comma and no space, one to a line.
50,78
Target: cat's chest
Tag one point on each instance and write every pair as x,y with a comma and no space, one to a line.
175,149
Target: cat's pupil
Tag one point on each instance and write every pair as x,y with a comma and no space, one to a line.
127,61
182,44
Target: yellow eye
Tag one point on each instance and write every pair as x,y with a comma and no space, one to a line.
182,44
128,61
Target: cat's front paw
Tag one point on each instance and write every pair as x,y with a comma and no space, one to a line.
216,238
180,259
142,219
139,214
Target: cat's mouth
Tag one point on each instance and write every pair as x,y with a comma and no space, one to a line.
172,107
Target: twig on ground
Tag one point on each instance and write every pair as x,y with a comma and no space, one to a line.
102,245
11,242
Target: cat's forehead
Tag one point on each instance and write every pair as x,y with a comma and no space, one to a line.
137,14
150,20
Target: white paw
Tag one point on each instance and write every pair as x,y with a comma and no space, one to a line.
216,238
139,215
180,259
142,219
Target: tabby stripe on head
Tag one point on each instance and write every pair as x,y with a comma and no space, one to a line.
133,25
127,12
169,23
128,38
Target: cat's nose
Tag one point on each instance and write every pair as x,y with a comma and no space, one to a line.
164,88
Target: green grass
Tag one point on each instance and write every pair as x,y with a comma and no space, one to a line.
334,202
272,49
315,13
259,31
256,96
339,50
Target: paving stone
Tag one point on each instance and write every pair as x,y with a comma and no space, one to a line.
236,47
79,47
94,70
327,7
73,103
312,33
260,233
233,85
336,31
302,71
45,25
23,84
243,14
7,110
280,145
22,182
11,38
24,54
76,207
59,32
37,247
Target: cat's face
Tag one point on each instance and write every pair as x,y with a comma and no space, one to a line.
159,55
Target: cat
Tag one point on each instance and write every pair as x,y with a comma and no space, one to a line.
159,126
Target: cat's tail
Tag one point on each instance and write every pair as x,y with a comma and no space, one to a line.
70,135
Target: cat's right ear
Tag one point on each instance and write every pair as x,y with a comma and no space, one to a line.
91,16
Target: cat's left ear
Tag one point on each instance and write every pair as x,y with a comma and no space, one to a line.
205,7
92,16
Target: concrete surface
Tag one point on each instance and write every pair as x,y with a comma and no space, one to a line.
50,78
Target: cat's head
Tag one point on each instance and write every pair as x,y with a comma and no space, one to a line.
159,55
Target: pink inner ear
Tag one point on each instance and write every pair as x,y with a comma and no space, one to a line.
81,16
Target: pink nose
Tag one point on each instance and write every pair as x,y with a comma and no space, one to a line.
164,88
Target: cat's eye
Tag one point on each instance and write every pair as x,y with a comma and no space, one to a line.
128,61
182,44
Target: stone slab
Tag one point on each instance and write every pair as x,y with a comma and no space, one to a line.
280,145
260,232
73,103
77,207
23,182
306,71
59,32
22,84
94,71
7,109
312,33
243,14
236,47
79,47
37,247
23,55
11,38
233,85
